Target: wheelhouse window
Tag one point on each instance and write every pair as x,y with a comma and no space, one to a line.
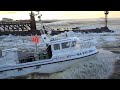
73,43
56,46
65,45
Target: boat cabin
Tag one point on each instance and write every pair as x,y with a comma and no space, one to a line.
54,48
63,46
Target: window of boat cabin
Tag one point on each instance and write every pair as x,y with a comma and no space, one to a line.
56,46
73,43
65,45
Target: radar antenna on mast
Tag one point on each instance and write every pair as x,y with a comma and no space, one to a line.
39,17
43,35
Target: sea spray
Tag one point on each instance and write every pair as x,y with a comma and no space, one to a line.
98,66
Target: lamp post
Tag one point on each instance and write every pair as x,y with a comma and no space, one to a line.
32,21
106,14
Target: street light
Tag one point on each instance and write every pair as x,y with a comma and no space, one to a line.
106,14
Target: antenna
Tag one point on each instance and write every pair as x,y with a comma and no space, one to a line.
106,14
39,17
44,36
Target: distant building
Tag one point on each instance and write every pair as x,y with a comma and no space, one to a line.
7,19
76,28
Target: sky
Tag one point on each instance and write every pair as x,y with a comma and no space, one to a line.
21,15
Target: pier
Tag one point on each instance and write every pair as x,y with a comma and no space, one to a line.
19,27
28,27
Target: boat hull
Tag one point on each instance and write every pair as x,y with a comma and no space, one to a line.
49,67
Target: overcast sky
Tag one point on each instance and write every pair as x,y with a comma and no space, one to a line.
16,15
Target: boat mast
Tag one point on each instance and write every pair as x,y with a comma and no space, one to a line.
44,36
106,14
40,15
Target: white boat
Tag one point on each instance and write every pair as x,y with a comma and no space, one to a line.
59,55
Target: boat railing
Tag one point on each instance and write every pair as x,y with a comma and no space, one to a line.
87,39
86,43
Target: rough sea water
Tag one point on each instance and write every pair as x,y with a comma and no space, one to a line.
98,66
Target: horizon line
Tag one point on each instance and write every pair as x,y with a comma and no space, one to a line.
83,18
71,19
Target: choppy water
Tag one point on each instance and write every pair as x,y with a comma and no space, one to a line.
98,66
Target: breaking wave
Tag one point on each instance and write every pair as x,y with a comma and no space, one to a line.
99,66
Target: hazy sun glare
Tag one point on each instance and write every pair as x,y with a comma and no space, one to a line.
59,14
